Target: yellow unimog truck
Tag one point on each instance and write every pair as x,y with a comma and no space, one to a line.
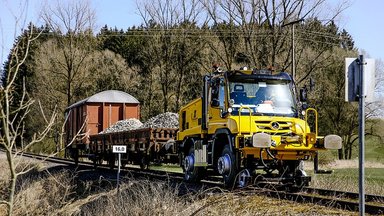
246,124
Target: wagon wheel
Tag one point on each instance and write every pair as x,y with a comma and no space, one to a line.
97,161
75,155
111,160
144,162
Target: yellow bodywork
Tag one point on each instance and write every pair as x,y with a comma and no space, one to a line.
292,140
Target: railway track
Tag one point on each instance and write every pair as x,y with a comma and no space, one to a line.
330,198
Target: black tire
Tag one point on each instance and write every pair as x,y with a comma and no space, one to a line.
75,155
111,160
230,177
94,163
196,174
97,161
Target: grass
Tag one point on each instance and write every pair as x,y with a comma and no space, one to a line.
374,149
57,194
36,193
167,168
157,198
347,180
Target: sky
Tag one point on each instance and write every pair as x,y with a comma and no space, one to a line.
363,19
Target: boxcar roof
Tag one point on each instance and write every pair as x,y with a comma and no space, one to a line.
109,96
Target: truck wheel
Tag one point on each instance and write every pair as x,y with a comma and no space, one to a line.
226,165
191,173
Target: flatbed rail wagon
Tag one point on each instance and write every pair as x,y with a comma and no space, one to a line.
143,146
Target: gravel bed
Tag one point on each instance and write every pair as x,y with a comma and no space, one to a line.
164,120
124,125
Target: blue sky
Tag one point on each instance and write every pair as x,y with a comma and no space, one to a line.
363,20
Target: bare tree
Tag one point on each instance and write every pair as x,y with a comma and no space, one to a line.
259,24
171,25
12,117
72,23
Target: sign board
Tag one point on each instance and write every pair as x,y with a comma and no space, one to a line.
352,79
119,149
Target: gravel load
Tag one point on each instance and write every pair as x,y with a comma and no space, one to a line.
124,125
164,120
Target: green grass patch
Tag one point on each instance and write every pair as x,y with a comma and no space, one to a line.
167,168
375,174
347,180
374,149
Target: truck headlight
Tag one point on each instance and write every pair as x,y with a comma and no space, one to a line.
261,140
332,142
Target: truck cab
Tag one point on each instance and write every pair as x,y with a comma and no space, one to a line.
245,121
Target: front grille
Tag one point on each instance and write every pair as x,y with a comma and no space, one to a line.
274,127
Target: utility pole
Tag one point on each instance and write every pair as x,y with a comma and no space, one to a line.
361,63
359,87
293,45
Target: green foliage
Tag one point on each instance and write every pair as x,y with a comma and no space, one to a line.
374,149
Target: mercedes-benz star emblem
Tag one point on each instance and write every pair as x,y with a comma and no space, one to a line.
275,125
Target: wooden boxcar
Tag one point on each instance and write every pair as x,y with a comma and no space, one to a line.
93,115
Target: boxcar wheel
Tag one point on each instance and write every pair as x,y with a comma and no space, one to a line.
226,165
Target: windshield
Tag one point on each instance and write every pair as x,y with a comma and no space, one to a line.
263,98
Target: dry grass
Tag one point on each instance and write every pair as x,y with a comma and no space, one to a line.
37,192
43,195
135,198
57,194
154,198
236,204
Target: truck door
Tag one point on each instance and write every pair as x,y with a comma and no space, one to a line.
216,100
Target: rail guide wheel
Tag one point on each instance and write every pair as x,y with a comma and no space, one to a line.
244,178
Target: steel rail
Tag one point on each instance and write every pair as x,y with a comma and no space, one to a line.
335,202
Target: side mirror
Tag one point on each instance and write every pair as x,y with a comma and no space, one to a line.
303,94
215,103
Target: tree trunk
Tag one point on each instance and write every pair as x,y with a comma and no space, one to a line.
12,187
